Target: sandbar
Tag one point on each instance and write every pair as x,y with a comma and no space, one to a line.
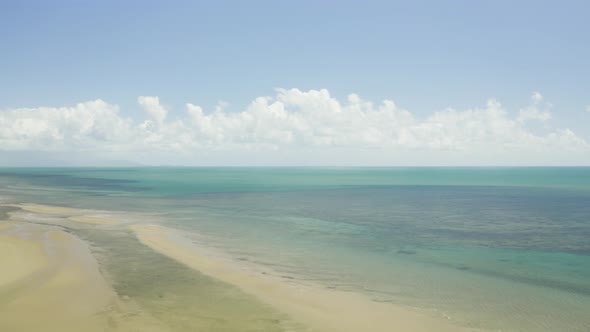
72,214
94,220
319,308
49,209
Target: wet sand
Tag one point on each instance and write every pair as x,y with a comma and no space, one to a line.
55,281
64,271
77,215
49,282
320,308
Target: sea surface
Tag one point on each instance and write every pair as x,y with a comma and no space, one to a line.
499,249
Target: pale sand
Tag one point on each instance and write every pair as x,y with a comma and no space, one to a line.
5,225
49,267
94,220
49,209
18,257
77,215
320,308
50,281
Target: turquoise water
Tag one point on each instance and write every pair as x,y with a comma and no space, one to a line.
492,248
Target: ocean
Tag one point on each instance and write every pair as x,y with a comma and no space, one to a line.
498,249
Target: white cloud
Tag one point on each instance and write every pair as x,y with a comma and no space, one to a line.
152,106
90,125
537,110
305,127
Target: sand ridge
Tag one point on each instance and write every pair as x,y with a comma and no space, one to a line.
50,265
91,217
320,308
48,209
94,220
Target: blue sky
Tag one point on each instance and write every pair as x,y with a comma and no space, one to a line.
425,55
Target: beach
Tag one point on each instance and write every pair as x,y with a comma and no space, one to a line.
294,166
50,281
322,309
169,251
53,277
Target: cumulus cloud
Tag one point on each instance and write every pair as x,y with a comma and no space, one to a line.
89,125
537,110
152,106
297,123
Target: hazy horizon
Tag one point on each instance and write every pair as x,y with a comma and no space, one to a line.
233,84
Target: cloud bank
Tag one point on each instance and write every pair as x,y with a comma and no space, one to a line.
297,127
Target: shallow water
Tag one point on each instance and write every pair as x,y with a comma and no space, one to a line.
178,297
491,248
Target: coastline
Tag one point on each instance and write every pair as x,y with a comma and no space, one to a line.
310,307
83,270
492,258
320,308
50,282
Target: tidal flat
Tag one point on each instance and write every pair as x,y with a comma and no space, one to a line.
193,249
53,263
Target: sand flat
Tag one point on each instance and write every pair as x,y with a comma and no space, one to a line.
321,309
94,220
4,225
72,214
50,209
50,282
19,257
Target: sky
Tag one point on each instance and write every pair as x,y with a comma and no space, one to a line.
384,83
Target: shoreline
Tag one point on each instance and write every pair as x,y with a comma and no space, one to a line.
50,281
314,307
491,259
320,308
124,274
